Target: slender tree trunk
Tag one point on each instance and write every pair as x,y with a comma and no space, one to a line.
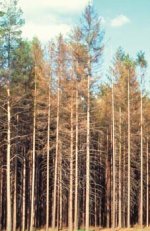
111,175
120,172
84,204
129,155
47,177
100,179
76,165
60,190
1,192
108,185
114,162
56,159
33,162
24,195
58,205
141,199
124,180
70,217
95,207
9,218
15,197
147,186
88,158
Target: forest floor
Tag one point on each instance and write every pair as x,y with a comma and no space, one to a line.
106,229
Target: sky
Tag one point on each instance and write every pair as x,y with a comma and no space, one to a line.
126,22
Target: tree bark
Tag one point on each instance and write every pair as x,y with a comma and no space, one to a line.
147,186
33,161
88,158
141,199
70,217
24,194
129,155
76,164
9,221
114,163
56,158
1,193
120,172
108,184
15,197
47,164
60,191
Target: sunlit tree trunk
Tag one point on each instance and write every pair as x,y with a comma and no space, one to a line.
56,158
108,184
142,64
60,190
47,164
76,164
147,186
129,155
24,195
114,163
100,179
1,191
15,197
141,191
15,187
70,213
33,159
124,179
87,210
9,218
120,172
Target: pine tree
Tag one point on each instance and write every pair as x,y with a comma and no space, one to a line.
92,37
10,23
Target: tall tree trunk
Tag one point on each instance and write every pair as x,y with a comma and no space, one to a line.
120,172
60,190
124,180
9,218
141,199
15,197
76,164
15,188
70,215
87,210
114,163
1,192
108,184
95,207
147,186
47,177
57,222
111,174
100,179
129,155
33,161
56,159
24,194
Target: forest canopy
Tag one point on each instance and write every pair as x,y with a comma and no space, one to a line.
74,147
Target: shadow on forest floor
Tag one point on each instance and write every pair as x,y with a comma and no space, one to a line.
104,229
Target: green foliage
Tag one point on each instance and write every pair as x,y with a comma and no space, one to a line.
10,34
121,56
23,60
92,33
140,60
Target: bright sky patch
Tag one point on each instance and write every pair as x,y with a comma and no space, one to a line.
120,21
